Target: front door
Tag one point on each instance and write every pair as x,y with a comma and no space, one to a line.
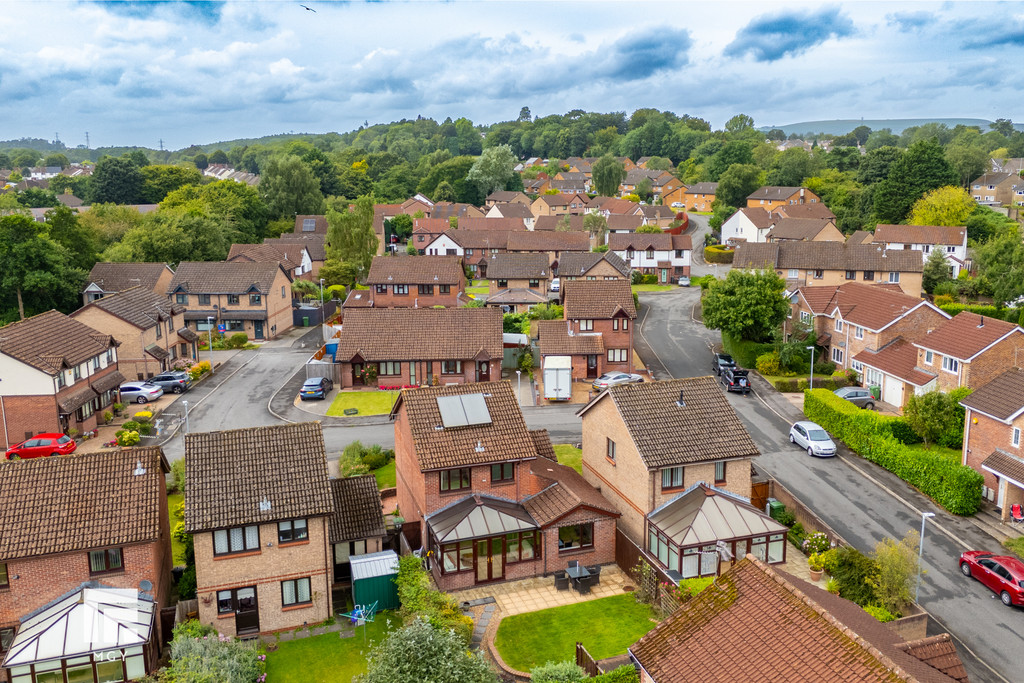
357,369
483,371
490,559
247,612
664,276
591,366
257,329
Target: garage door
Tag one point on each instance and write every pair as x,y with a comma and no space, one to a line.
892,391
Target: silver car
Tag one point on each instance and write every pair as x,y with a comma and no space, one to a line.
140,392
858,396
611,379
814,438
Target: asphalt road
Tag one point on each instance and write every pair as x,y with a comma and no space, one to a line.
862,502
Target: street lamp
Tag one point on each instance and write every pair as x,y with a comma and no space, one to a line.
185,404
323,329
209,322
810,384
920,551
519,377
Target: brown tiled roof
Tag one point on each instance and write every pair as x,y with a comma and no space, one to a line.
513,210
405,334
799,228
504,438
815,210
571,240
920,234
702,188
448,209
542,442
255,476
548,223
52,340
664,212
1009,466
562,199
320,224
138,306
492,223
70,200
415,270
758,217
566,492
503,196
619,221
107,381
262,253
518,266
357,509
966,335
706,428
80,502
643,241
938,652
1002,398
617,205
480,239
115,277
899,359
869,305
827,256
555,340
313,243
597,299
433,226
218,277
578,263
773,192
857,236
994,178
516,295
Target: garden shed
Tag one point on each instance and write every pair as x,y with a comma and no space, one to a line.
373,579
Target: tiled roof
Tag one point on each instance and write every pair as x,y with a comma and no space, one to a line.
433,226
827,256
966,335
938,652
51,340
799,228
139,306
702,188
774,192
479,239
158,352
857,236
518,266
218,277
656,211
448,209
492,223
566,492
868,305
1002,398
319,224
618,221
994,178
415,270
115,277
616,205
516,295
758,217
255,476
815,210
1009,466
578,263
357,509
313,243
899,359
555,340
81,502
597,299
262,253
921,234
502,196
542,442
514,210
706,428
188,335
572,240
504,438
620,241
562,199
548,223
405,334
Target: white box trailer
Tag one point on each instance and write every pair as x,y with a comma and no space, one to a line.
558,378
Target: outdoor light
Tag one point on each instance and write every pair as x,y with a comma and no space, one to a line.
810,383
209,329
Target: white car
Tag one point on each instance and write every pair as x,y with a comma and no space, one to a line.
555,284
814,438
677,205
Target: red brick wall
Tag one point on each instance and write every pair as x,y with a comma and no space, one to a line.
983,437
613,339
424,369
409,482
414,299
1008,353
22,414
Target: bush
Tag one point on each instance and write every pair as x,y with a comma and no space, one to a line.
107,416
744,352
947,289
784,516
624,674
880,613
943,300
237,340
179,532
145,428
829,560
897,571
213,658
130,426
937,417
179,509
796,534
187,583
989,311
851,571
824,368
815,543
126,437
178,475
374,458
718,253
143,416
691,587
768,363
419,599
193,628
558,672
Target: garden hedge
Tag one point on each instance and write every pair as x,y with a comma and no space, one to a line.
1007,314
744,352
882,440
793,384
718,254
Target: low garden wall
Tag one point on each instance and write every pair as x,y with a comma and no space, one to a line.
913,625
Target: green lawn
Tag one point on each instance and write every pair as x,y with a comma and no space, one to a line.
570,456
654,288
1016,546
477,287
326,658
367,402
177,547
386,476
606,627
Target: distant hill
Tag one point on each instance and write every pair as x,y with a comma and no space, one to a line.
844,126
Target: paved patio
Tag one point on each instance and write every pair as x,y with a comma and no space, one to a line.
530,595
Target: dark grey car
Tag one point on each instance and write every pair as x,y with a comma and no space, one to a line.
720,361
175,381
858,396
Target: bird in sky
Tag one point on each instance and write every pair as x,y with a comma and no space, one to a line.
308,8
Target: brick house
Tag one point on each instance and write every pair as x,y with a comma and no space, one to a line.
586,349
258,503
995,189
771,197
519,281
805,230
559,204
299,265
254,298
662,182
292,247
406,346
816,210
426,230
110,278
696,197
993,424
357,525
474,246
665,255
77,523
446,210
952,240
592,266
554,244
306,224
969,350
513,210
485,495
499,197
606,308
150,331
58,374
412,282
645,444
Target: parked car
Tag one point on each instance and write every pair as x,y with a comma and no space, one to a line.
858,396
315,387
611,379
736,379
684,281
176,381
556,284
677,205
42,445
1002,574
140,392
720,361
814,438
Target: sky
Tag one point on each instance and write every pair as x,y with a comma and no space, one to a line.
136,73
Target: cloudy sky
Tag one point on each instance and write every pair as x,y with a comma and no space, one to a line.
132,73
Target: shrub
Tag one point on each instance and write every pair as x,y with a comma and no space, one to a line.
127,437
187,583
832,587
107,416
375,459
179,509
896,571
624,674
178,475
784,516
691,587
947,288
943,300
880,613
237,340
145,428
815,543
937,417
213,658
193,628
419,599
851,571
824,368
130,426
829,559
796,534
558,672
143,416
407,654
745,353
179,532
718,253
768,363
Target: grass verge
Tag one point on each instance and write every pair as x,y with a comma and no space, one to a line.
654,288
366,402
327,658
1016,546
570,456
385,476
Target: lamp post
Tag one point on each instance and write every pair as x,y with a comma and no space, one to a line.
185,404
323,329
209,322
920,551
810,383
519,392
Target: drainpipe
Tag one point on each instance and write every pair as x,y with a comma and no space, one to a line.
4,411
963,457
846,356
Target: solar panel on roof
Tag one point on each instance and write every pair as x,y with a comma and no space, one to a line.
476,409
464,410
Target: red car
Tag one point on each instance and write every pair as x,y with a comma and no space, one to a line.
42,445
1002,574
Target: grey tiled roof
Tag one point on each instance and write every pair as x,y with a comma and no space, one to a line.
115,277
357,509
219,277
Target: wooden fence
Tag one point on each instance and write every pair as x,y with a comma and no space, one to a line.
585,661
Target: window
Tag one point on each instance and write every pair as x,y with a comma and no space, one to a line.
650,253
576,536
469,252
708,560
776,548
255,299
793,274
950,364
869,275
929,357
401,289
615,324
282,291
839,325
180,298
444,289
1015,440
894,276
308,225
505,471
457,557
625,323
237,539
629,253
858,332
586,325
159,332
609,449
7,636
451,367
76,372
292,530
110,356
380,289
4,581
102,561
819,274
96,362
233,325
502,284
232,299
837,355
805,317
184,349
204,299
851,275
425,289
950,250
295,592
534,284
455,480
720,472
389,367
672,478
520,547
617,355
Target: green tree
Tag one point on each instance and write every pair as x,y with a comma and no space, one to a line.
922,168
984,224
63,227
236,206
969,161
936,270
875,165
137,157
116,180
746,304
596,225
493,169
35,268
930,415
659,164
401,225
649,229
201,161
739,124
791,167
56,159
335,272
405,654
218,157
444,192
896,572
37,198
109,222
607,174
158,181
943,206
288,188
326,173
173,236
351,237
78,186
737,183
720,213
1001,262
1004,126
564,224
733,152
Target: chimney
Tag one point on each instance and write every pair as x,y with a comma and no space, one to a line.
981,321
681,403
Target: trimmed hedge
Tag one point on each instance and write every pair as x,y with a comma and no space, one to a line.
882,440
744,352
800,384
1007,314
718,254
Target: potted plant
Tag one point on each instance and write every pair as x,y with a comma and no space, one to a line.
816,565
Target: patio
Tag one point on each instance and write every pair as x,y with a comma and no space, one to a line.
530,595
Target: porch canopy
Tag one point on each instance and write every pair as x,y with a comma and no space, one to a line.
1005,466
479,516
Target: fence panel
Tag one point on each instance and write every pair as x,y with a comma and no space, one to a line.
585,661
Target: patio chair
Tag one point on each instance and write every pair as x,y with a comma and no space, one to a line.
561,581
583,585
572,564
1016,514
595,575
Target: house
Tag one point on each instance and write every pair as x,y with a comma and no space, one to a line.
772,197
666,255
298,265
696,197
426,230
519,280
559,204
357,525
499,197
448,210
110,278
225,172
556,339
418,203
592,266
816,210
805,230
554,244
624,223
258,504
744,622
952,240
1009,165
993,423
581,186
306,224
412,282
969,350
553,223
646,443
506,224
606,308
149,330
474,246
995,188
58,374
484,495
833,263
403,346
309,251
517,210
662,216
534,186
611,206
748,225
81,531
254,298
662,182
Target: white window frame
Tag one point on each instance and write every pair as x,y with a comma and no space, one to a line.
929,357
837,355
894,277
839,325
586,325
805,317
617,355
857,365
951,365
858,332
1015,437
794,274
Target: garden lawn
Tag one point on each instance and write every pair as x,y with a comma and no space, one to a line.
326,658
177,547
570,456
654,288
367,402
385,476
1016,546
606,627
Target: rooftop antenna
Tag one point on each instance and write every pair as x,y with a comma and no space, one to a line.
87,139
